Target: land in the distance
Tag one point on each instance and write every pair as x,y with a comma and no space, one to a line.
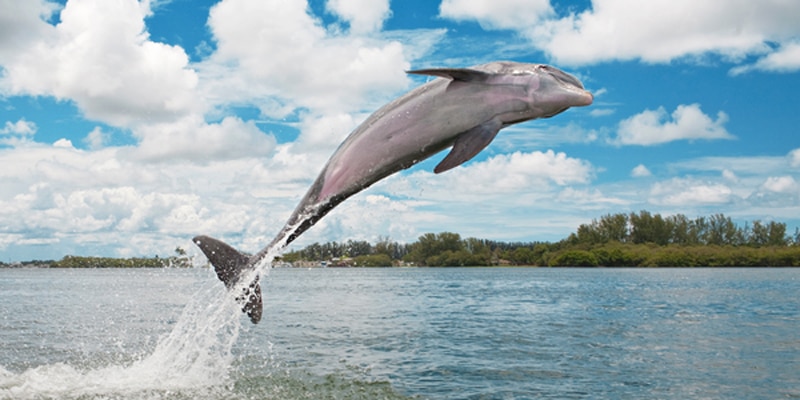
619,240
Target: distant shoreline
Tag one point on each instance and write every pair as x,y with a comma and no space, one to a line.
620,240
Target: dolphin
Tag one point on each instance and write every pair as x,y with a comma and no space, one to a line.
462,108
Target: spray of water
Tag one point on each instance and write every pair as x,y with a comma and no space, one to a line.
195,357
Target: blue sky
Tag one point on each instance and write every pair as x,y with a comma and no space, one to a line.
129,127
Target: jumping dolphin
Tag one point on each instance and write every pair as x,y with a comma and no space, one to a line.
463,108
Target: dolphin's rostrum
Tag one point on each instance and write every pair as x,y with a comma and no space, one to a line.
463,109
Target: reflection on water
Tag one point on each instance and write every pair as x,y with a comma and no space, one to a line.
394,333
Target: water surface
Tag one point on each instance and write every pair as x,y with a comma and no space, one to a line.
482,333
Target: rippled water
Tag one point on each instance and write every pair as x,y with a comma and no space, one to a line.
403,333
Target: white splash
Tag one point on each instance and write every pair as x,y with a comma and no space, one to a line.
194,358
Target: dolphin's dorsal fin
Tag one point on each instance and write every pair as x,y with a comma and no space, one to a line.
456,74
469,143
229,263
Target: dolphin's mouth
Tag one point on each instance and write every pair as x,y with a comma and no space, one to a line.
572,84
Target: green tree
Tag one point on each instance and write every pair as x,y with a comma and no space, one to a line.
721,230
648,228
614,228
434,245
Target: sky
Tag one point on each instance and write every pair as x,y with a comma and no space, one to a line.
128,127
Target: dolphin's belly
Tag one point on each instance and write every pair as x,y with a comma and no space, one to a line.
401,139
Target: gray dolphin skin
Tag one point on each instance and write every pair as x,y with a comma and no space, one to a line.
462,108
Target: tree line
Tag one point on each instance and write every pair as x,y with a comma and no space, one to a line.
635,239
717,230
110,262
614,240
179,260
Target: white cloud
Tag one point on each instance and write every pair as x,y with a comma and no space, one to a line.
193,139
640,171
794,158
364,16
785,59
96,139
63,142
19,128
687,122
100,56
311,68
517,178
505,173
497,14
21,24
729,175
108,199
780,184
689,192
653,31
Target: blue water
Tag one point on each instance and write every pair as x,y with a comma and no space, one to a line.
465,333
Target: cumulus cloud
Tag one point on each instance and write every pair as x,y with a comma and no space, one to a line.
780,184
506,173
497,14
535,173
20,128
96,139
654,31
101,57
794,158
687,122
21,24
63,142
16,134
689,192
729,175
193,139
364,16
312,68
785,58
640,171
71,197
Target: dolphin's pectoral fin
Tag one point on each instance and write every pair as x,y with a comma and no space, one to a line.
469,143
228,264
456,74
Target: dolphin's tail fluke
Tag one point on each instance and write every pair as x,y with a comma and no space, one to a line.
229,264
